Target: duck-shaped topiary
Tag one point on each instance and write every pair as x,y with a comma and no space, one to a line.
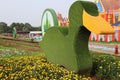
68,46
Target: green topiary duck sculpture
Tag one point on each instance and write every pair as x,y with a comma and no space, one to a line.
68,46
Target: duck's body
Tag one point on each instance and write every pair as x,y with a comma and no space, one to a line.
69,46
62,49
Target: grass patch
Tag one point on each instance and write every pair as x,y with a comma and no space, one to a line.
105,42
33,47
8,52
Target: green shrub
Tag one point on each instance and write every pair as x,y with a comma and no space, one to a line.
106,67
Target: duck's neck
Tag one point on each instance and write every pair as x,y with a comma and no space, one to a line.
75,17
77,32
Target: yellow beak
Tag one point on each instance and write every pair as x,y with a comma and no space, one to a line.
97,24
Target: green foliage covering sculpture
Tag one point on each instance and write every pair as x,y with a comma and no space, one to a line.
14,33
68,46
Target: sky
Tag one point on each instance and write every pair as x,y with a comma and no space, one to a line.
30,11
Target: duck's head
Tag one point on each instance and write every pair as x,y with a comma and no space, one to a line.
85,13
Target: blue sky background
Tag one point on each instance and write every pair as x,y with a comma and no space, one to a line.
30,11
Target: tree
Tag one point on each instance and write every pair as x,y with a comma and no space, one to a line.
22,27
36,29
9,29
3,27
18,26
27,27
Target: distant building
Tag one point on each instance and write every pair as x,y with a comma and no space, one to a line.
35,35
62,21
111,14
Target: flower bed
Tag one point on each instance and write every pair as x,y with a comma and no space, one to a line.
105,67
36,68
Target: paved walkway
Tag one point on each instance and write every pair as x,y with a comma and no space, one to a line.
106,48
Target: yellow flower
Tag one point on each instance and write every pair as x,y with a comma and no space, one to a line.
1,74
33,79
85,79
100,67
119,64
119,75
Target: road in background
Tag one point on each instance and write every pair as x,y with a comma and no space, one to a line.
106,48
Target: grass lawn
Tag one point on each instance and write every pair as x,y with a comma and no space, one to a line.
34,47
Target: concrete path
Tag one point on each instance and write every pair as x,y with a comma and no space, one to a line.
106,48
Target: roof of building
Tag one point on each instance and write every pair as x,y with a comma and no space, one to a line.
35,31
108,5
111,4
